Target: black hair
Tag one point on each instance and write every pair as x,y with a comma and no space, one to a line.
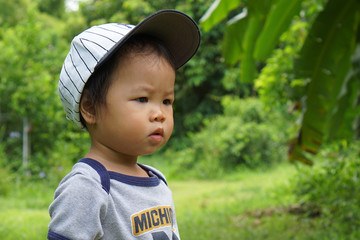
99,82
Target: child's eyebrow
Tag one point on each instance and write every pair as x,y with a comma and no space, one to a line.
150,89
143,88
170,92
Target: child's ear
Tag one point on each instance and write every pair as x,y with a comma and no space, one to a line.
87,109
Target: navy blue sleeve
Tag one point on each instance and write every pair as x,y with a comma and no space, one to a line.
54,236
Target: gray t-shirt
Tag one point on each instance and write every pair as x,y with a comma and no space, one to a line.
93,203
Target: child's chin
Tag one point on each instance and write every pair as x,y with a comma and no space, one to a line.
148,153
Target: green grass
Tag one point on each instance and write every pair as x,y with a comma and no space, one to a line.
245,205
215,209
23,213
23,223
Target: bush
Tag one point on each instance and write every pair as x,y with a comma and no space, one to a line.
6,178
332,184
6,182
54,165
245,135
48,166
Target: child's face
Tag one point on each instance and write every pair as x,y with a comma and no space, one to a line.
138,116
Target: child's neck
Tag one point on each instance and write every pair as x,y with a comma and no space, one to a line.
126,165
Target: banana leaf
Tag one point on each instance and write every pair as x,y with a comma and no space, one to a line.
248,63
277,22
325,60
258,12
232,47
217,12
347,108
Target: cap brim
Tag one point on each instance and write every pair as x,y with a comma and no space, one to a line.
175,29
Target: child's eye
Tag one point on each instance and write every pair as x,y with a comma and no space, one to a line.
142,99
167,102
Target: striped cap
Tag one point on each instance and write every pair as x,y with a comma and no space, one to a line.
95,45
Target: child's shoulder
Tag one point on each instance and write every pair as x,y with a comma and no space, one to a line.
87,172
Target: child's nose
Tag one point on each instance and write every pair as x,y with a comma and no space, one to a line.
157,116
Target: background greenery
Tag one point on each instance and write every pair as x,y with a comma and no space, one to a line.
272,81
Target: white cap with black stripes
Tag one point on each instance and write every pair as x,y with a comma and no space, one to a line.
95,45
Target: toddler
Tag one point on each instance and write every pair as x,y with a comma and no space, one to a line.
117,82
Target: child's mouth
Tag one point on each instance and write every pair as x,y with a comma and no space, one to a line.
157,136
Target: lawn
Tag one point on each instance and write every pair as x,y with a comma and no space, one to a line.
246,205
23,214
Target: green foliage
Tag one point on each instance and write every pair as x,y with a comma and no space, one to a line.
198,88
254,28
74,23
241,40
32,54
276,23
52,7
232,47
276,83
325,59
244,136
217,12
11,12
317,80
128,11
345,116
5,182
332,184
7,176
52,166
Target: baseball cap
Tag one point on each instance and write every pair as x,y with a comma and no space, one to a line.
91,48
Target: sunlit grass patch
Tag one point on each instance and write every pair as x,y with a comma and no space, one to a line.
24,211
212,209
23,223
252,189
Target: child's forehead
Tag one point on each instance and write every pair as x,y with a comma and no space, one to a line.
138,62
147,54
145,75
143,88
